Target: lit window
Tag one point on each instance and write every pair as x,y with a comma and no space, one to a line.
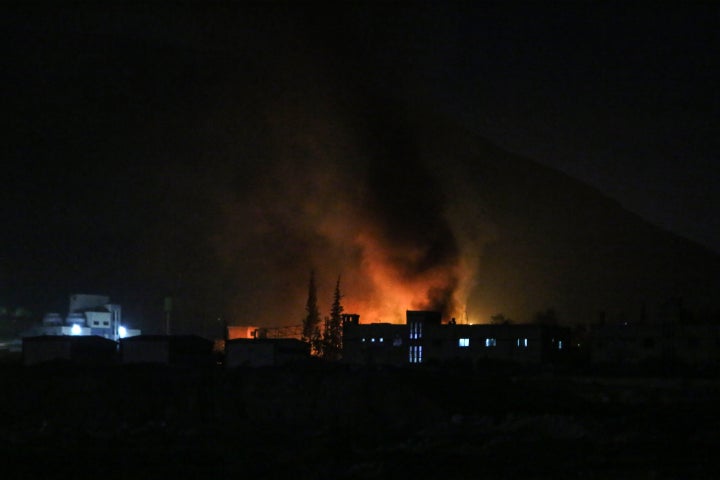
75,330
559,344
415,330
463,342
380,339
415,354
522,342
363,340
490,342
372,340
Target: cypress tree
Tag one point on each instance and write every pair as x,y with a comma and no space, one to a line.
332,341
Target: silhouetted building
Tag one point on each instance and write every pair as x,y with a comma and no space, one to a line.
176,350
634,344
265,352
83,350
424,338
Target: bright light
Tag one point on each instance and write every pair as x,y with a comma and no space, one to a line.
463,342
122,331
75,330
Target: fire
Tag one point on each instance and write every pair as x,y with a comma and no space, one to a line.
390,290
359,200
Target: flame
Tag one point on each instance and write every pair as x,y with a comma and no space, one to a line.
350,200
390,291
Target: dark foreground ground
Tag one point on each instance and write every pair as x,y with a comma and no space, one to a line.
60,421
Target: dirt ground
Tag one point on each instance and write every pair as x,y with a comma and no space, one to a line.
322,421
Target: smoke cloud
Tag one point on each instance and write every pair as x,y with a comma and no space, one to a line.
346,192
293,163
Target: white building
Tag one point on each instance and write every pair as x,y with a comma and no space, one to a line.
87,315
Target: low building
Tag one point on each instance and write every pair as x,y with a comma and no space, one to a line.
176,350
86,350
425,339
264,352
635,344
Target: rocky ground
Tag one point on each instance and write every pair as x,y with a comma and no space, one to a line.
315,421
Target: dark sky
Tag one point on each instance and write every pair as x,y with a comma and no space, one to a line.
119,118
621,95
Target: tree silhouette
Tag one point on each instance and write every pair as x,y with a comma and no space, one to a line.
311,323
332,340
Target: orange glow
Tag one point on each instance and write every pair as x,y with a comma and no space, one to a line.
241,331
389,293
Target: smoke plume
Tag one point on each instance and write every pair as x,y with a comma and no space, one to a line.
343,190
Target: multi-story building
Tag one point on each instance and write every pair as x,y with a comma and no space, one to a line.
425,339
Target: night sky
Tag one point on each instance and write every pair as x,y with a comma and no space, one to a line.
163,150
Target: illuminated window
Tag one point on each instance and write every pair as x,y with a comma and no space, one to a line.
415,330
559,344
522,342
380,339
372,340
463,342
76,329
415,354
490,342
363,340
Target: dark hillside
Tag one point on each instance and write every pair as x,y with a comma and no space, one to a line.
548,240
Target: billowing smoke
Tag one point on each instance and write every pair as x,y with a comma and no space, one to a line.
405,208
307,170
347,193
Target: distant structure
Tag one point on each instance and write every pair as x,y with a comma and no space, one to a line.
626,344
425,339
87,315
254,346
78,350
234,332
265,352
175,350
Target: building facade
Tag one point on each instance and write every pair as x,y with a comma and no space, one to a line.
425,339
